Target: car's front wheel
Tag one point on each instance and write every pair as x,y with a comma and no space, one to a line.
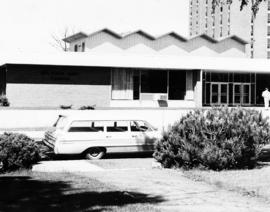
94,153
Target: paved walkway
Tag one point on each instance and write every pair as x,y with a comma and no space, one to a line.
180,193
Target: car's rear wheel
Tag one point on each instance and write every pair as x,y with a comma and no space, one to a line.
94,153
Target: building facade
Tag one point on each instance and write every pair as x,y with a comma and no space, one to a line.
107,69
227,19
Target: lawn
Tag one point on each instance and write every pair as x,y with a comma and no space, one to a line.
253,182
28,191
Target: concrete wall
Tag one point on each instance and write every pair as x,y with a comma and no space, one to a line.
105,42
160,118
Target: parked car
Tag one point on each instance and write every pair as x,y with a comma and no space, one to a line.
95,137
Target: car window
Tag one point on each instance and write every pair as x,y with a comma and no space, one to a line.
86,126
140,126
61,122
117,126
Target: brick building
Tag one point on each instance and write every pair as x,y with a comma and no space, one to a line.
107,69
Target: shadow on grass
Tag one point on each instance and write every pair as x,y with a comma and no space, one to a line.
28,194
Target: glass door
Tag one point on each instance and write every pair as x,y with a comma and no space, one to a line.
237,93
223,93
214,93
246,94
241,93
219,93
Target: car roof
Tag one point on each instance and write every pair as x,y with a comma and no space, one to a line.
80,117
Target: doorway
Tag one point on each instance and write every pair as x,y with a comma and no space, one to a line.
219,94
241,94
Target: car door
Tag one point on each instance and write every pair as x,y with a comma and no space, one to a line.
142,135
118,137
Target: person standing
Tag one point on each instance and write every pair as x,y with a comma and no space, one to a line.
266,97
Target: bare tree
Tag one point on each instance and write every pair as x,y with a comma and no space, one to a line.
58,42
254,4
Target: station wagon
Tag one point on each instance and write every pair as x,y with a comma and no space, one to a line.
94,137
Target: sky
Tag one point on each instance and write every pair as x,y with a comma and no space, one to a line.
28,25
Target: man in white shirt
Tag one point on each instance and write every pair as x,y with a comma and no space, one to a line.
266,97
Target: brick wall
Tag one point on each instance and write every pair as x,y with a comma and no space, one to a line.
48,86
44,95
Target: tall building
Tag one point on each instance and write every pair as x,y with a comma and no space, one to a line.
227,19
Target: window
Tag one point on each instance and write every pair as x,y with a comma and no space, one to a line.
268,30
83,47
268,55
139,126
75,48
122,84
153,81
117,126
252,30
268,42
86,126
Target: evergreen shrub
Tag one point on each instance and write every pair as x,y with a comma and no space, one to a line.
18,151
217,139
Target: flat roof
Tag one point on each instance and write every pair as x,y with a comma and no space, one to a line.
139,61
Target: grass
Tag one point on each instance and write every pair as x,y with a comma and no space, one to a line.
253,182
28,191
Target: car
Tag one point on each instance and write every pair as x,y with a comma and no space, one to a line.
94,137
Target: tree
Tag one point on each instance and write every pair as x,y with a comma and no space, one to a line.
254,4
57,39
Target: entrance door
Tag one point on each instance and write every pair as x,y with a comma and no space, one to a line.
219,93
246,94
241,93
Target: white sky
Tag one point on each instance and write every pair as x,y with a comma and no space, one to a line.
28,25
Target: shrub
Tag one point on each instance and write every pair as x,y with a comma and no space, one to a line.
219,138
4,101
65,107
87,107
18,151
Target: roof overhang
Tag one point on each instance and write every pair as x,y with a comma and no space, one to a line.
140,61
75,37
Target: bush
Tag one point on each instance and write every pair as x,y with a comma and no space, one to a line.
65,107
219,138
18,151
87,107
4,101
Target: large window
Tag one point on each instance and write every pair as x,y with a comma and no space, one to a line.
122,84
153,81
138,84
177,85
229,88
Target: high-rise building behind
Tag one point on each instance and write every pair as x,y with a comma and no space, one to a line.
227,19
